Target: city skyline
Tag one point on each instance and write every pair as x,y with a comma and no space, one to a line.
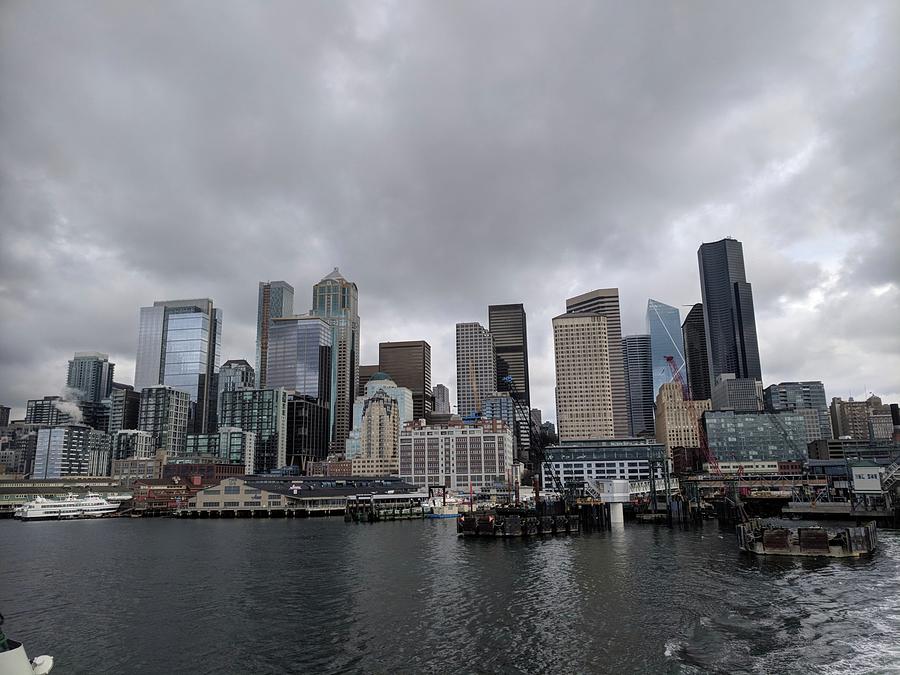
344,170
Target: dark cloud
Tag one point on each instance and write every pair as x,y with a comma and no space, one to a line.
446,156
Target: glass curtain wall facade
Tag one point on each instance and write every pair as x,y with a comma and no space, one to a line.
695,354
336,300
637,350
664,328
728,311
276,299
300,354
264,412
179,345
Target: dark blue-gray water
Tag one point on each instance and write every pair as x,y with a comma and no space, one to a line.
319,596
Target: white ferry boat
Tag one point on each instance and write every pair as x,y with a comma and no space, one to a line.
90,505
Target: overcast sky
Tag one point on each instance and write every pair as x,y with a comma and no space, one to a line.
446,156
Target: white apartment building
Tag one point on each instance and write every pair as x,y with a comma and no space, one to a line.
456,455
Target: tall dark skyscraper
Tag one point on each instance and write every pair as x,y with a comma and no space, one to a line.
276,299
728,311
605,302
409,365
508,326
696,357
637,352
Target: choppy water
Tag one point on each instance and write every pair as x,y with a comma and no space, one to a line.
266,596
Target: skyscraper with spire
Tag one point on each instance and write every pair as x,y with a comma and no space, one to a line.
336,301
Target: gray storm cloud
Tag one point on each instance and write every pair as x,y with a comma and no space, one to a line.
446,156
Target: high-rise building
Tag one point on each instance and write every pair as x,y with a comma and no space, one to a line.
728,311
66,450
696,356
740,394
276,299
584,400
849,419
132,443
409,365
441,399
536,417
799,396
124,404
308,430
164,413
378,383
4,415
179,345
507,324
637,353
678,421
666,341
51,411
365,372
300,356
336,300
264,412
235,375
476,367
91,374
379,437
605,301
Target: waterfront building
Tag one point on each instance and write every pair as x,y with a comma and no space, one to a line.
20,440
696,356
100,458
456,455
336,300
851,448
798,396
4,415
365,372
308,430
605,302
124,407
728,312
66,450
584,397
849,419
264,412
441,399
379,382
164,413
678,420
275,300
666,340
639,375
738,394
138,468
752,436
476,367
133,443
621,459
51,411
91,375
179,345
409,365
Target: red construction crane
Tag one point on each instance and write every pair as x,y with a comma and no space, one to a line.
701,434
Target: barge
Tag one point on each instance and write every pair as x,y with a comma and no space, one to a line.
515,521
761,538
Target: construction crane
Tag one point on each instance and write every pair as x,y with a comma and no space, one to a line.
538,456
708,454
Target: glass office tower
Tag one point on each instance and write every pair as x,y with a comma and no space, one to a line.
276,299
664,328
